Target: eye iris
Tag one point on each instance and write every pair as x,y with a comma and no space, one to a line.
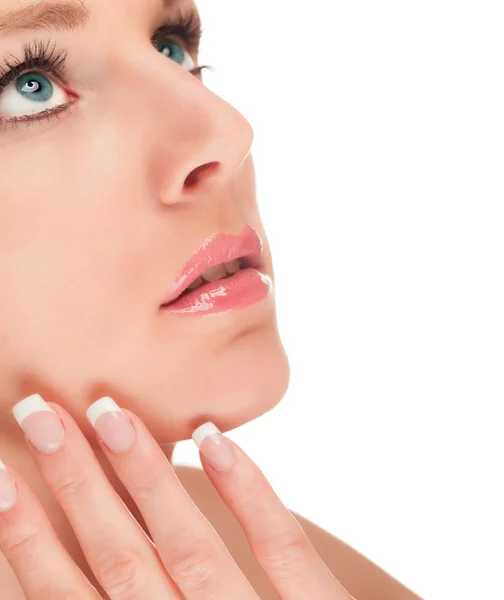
166,48
34,86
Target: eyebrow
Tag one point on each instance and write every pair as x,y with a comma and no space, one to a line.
60,16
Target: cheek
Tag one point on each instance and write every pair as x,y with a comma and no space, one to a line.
83,253
71,267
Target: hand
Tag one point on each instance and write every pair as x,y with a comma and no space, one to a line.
188,560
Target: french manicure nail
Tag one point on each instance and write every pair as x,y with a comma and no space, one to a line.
8,492
112,425
40,423
217,449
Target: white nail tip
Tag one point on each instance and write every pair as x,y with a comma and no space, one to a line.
204,431
2,466
34,403
100,407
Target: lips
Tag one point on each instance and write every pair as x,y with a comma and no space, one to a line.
219,249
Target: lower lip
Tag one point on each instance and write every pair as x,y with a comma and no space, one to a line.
245,287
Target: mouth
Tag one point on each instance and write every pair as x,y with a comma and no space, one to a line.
218,272
220,257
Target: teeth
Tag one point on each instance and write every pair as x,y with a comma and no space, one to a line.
195,284
215,273
233,266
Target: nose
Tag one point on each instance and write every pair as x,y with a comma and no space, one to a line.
200,142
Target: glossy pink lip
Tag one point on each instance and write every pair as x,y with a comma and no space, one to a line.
216,250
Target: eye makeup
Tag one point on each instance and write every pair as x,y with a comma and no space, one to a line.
187,27
47,59
37,55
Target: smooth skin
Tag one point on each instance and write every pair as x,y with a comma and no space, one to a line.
100,209
188,559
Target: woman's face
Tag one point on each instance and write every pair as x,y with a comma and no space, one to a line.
102,207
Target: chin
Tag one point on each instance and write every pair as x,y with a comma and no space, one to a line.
230,373
239,382
255,377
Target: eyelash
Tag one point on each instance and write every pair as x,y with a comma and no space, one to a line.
39,56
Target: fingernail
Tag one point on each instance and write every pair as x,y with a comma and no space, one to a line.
40,423
217,450
8,492
112,425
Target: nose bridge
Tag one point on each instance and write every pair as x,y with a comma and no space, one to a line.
193,133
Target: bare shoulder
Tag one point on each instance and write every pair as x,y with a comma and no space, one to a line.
361,577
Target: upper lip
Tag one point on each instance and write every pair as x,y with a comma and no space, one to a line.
215,250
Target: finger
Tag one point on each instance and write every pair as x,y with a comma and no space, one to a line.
192,552
118,551
275,537
35,553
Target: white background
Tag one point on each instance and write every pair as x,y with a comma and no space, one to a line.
379,150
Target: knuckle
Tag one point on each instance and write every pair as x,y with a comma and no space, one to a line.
71,484
285,551
22,543
147,482
195,567
144,481
26,546
122,573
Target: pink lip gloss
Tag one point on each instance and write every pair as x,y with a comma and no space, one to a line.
245,287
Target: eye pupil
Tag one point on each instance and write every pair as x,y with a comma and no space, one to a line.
171,49
34,86
31,86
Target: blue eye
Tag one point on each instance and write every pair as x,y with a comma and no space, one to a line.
166,48
34,86
29,94
176,52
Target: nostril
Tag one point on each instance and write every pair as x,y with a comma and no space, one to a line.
197,173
